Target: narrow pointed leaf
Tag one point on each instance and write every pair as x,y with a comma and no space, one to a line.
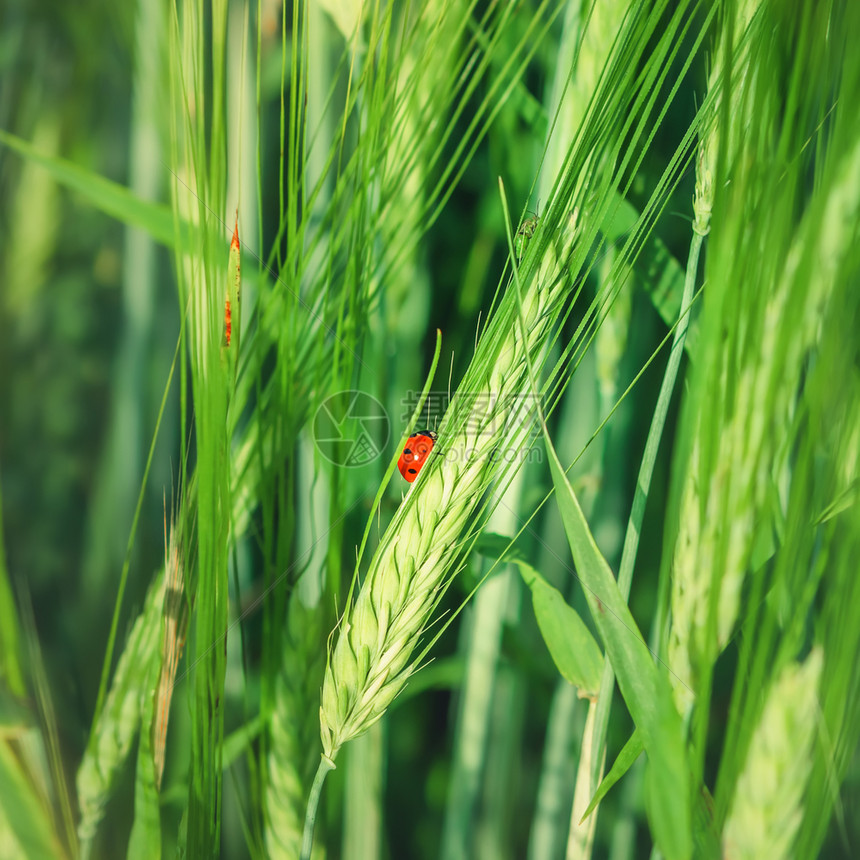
110,197
623,762
574,651
645,688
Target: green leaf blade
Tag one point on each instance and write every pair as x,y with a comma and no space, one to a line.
110,197
623,762
573,649
646,690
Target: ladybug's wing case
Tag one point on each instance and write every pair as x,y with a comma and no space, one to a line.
415,454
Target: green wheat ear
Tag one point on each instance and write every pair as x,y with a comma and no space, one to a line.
372,657
767,809
118,722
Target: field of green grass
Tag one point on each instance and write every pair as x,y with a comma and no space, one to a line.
602,257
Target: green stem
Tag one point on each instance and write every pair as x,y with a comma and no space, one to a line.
326,764
649,458
643,484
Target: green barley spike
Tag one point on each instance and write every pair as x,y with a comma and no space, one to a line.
371,659
768,804
118,722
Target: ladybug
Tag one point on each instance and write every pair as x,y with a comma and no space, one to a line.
415,454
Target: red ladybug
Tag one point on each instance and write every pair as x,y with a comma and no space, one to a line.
415,454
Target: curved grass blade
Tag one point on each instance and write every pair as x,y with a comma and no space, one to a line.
623,762
110,197
573,649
